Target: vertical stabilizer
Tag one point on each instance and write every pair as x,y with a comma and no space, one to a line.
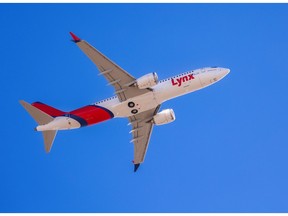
49,137
41,118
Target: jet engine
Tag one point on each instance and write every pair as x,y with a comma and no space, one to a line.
164,117
146,81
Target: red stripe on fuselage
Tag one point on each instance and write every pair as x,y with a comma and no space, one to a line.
48,109
93,114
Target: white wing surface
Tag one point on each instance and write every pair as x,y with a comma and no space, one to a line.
141,131
121,80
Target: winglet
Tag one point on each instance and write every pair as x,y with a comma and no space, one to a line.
136,166
75,38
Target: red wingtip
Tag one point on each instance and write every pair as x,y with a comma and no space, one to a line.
75,38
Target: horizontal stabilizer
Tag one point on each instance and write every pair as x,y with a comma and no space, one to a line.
49,137
40,117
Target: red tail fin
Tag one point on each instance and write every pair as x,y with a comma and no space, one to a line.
48,109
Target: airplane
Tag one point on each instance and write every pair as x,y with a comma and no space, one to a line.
139,100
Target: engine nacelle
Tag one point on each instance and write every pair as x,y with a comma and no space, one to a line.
164,117
146,81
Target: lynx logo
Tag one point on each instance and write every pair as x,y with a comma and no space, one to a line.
181,80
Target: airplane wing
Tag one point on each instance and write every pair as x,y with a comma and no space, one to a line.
115,75
141,131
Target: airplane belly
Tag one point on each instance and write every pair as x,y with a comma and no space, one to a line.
135,105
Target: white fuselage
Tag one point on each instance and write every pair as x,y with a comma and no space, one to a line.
165,90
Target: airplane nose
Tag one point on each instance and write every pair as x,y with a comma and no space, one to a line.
213,76
223,72
227,70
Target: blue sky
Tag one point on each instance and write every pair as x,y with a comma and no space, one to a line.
226,151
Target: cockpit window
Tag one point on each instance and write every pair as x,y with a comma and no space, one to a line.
214,67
